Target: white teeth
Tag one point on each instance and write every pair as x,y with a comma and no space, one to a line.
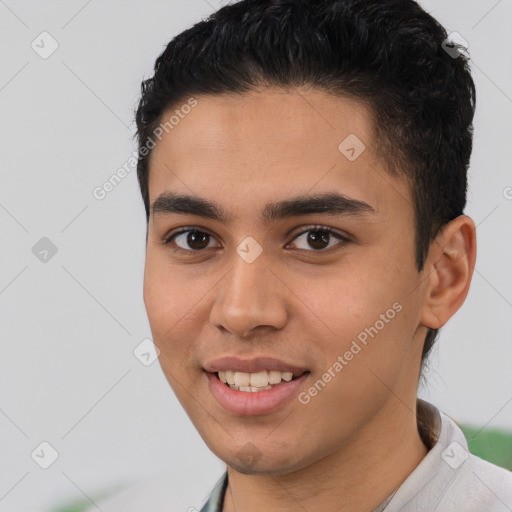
242,379
251,389
258,381
274,377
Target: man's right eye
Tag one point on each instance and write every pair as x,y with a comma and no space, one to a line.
188,240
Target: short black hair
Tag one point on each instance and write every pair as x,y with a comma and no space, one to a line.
388,54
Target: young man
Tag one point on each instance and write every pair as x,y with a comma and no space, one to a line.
303,168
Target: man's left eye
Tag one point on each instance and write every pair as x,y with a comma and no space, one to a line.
319,238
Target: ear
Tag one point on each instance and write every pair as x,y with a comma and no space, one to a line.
449,269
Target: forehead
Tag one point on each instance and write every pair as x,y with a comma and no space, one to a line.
293,122
273,143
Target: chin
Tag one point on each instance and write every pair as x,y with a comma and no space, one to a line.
250,460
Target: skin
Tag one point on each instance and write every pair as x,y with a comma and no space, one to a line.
356,441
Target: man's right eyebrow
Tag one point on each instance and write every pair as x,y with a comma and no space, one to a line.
170,203
329,203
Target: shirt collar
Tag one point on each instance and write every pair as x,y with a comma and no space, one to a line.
430,423
216,500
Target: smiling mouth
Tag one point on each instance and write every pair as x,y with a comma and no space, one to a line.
255,382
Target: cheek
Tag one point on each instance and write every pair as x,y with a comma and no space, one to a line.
167,293
373,332
348,299
368,303
170,306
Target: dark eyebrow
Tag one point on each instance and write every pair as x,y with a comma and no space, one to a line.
328,203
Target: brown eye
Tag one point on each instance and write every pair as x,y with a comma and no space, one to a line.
190,240
319,238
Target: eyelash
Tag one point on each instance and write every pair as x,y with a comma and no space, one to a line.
331,232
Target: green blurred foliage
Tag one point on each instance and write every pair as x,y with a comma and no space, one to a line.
490,444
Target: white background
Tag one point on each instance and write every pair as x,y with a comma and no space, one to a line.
68,327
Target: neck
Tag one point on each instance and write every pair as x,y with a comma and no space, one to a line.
358,477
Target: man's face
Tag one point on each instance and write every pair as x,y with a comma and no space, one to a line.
279,286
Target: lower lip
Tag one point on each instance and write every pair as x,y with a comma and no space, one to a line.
247,403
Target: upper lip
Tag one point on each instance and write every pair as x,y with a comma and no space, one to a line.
254,365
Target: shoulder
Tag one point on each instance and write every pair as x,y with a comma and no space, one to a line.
476,482
481,485
473,483
450,478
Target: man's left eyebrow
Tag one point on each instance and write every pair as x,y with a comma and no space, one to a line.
327,203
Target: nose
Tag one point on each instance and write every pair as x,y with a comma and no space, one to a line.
250,299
